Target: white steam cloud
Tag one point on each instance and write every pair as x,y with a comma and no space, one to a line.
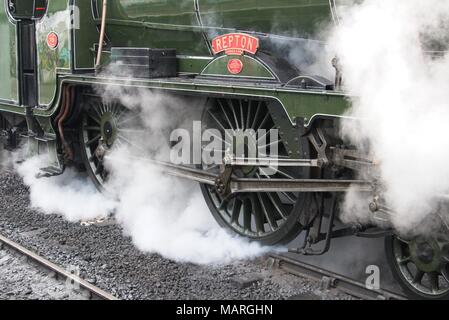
161,214
169,216
71,194
402,97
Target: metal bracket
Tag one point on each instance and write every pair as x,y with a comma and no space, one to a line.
338,73
351,159
223,181
320,148
102,150
307,249
49,172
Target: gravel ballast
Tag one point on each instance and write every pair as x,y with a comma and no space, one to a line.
108,259
22,280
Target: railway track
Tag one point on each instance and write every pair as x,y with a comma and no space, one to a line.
95,293
333,280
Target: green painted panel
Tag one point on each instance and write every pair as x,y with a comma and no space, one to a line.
85,35
157,24
50,61
299,18
193,65
138,34
252,68
8,61
308,105
181,12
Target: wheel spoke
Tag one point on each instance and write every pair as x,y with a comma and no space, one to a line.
282,192
445,273
267,212
247,215
253,126
283,173
97,108
257,211
277,204
248,118
126,120
434,282
231,106
223,204
269,144
129,142
220,124
266,134
141,131
226,115
417,279
94,117
93,140
236,210
404,260
122,112
241,115
92,128
265,119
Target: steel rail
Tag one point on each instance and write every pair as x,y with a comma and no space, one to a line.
93,290
334,280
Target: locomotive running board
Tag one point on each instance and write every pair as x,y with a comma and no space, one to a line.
246,185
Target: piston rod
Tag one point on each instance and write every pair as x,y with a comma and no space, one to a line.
274,162
246,185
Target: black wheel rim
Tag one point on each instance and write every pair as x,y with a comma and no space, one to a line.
423,266
253,215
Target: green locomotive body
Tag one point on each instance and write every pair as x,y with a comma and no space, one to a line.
188,26
249,59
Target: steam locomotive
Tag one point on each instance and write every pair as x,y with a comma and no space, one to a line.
249,62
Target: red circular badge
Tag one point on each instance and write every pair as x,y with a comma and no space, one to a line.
235,66
52,40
